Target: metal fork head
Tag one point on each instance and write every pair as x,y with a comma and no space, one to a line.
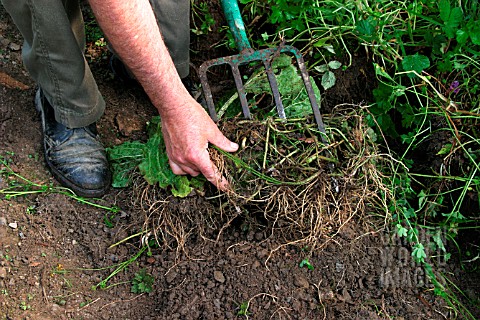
266,56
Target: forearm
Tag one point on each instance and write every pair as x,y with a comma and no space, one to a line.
132,30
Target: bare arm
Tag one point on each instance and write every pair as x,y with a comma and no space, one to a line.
132,30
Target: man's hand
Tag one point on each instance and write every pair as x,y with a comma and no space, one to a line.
131,28
187,130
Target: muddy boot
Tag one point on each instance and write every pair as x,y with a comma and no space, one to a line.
75,157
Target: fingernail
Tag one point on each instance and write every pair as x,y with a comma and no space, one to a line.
234,145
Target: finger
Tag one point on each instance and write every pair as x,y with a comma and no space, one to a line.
176,169
223,142
183,169
211,172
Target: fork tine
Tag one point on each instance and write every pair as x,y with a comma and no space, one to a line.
240,90
274,86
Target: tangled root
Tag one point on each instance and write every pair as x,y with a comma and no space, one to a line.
296,188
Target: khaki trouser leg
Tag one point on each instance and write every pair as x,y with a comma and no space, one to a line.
54,42
53,52
173,17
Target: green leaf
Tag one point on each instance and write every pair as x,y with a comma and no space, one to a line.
379,71
321,68
366,27
445,149
419,253
417,63
328,80
422,198
451,17
473,27
401,231
306,263
124,159
156,169
461,36
334,64
290,85
437,238
444,7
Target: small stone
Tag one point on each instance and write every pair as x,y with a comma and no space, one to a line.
4,41
13,225
3,221
71,230
169,277
74,242
339,267
14,46
345,296
301,282
151,260
3,273
218,275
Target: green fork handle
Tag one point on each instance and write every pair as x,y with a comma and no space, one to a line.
236,25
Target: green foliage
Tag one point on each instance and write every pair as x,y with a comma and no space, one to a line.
123,160
204,18
151,160
425,56
451,17
416,62
290,85
306,263
328,78
243,309
142,282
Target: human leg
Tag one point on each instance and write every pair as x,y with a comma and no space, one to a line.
68,99
52,52
173,18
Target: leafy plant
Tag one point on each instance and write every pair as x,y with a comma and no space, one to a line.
306,263
151,161
290,85
142,282
328,78
203,15
243,309
24,306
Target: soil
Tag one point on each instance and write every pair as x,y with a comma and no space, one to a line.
55,250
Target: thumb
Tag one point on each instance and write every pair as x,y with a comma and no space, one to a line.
223,142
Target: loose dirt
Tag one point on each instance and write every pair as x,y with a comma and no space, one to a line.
54,250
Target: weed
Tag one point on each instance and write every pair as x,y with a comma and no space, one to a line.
108,220
243,309
202,14
85,303
142,282
306,263
328,78
20,186
32,209
24,306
